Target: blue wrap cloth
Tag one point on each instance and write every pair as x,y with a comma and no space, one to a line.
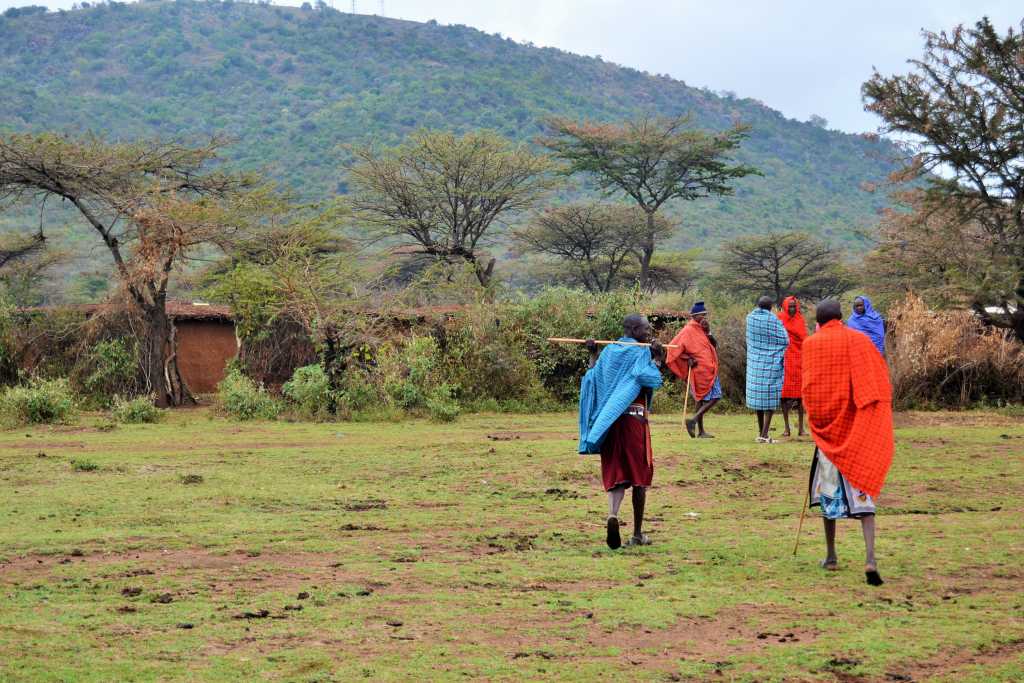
870,323
767,340
610,387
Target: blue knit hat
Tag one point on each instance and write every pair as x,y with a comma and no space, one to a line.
698,308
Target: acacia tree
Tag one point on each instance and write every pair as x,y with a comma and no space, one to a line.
153,205
652,161
445,194
790,263
928,249
592,241
963,108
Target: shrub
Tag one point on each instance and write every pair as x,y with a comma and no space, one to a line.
361,391
135,411
84,465
440,404
110,370
410,374
243,399
558,312
8,342
48,343
310,390
39,402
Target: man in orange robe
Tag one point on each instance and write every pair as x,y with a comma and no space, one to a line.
793,320
848,399
695,353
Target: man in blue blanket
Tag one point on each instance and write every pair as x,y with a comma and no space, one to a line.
615,401
767,340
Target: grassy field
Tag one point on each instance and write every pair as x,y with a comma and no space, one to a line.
200,549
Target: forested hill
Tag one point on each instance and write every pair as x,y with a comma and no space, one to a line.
292,86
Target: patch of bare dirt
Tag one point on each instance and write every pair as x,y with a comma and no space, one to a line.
953,419
33,445
531,436
949,663
192,447
742,630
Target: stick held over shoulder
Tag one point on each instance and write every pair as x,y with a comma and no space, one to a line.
601,342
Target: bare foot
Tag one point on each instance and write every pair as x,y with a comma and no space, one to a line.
829,564
786,433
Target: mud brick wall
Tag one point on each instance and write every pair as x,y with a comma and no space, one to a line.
204,349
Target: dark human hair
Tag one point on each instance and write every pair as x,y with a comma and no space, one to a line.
827,311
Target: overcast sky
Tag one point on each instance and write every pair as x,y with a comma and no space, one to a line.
801,57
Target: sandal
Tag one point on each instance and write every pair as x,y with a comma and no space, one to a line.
829,565
690,425
873,577
638,540
614,538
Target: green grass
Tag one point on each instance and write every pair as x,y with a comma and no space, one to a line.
418,550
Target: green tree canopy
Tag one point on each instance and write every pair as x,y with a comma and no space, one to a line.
780,265
591,242
652,161
963,108
446,193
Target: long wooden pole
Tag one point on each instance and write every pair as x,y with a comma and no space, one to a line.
602,342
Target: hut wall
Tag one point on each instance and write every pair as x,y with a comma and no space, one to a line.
204,349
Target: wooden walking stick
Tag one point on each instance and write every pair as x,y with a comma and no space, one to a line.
686,398
807,497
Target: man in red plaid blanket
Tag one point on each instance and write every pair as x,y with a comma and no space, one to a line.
848,398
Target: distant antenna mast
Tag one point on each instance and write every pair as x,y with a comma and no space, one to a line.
353,6
382,8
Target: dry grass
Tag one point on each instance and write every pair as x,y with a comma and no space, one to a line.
950,359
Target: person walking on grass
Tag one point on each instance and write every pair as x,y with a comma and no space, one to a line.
615,401
695,357
793,320
848,398
767,341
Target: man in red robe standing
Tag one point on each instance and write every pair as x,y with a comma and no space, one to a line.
848,398
793,320
696,357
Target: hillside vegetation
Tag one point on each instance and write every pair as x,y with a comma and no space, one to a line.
293,86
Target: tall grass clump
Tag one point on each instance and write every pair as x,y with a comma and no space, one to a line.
949,359
41,401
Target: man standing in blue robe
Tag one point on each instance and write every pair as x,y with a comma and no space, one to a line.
615,401
767,341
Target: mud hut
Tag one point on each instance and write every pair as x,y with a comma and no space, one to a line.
206,342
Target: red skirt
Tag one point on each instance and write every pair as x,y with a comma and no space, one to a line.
793,372
626,456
